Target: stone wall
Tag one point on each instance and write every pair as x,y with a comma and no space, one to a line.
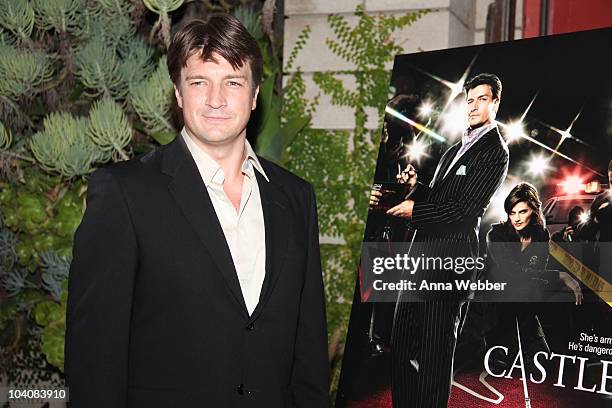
450,23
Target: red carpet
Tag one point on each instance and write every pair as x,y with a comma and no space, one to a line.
542,395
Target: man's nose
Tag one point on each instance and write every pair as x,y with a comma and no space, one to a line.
215,97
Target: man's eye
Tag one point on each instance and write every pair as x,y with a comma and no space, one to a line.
197,83
234,83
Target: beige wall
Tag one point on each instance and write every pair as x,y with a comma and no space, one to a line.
450,23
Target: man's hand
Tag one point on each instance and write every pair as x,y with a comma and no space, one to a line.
403,209
567,232
572,285
407,176
374,197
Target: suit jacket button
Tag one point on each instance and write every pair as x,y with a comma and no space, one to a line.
240,389
251,327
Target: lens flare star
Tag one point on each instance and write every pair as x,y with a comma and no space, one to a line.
515,131
455,87
425,109
584,217
537,165
454,120
416,150
573,185
417,125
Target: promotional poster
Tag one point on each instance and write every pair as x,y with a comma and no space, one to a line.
486,268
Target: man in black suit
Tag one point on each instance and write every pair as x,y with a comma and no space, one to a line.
599,225
447,217
196,277
597,231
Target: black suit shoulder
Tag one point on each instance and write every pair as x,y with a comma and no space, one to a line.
145,163
284,177
495,140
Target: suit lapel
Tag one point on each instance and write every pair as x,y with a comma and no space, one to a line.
191,196
278,228
484,141
448,158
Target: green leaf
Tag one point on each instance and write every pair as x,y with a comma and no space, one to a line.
163,138
289,132
153,99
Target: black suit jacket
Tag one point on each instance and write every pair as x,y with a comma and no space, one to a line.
156,316
447,213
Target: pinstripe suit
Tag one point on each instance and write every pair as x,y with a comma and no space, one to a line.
447,217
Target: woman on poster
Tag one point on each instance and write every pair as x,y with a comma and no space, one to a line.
517,250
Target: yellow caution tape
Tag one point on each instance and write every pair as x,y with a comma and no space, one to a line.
587,276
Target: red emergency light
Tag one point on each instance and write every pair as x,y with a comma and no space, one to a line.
572,185
575,185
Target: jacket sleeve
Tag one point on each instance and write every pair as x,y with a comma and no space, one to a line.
504,256
100,297
310,376
471,201
522,279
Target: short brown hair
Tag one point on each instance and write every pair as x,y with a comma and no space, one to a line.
222,34
485,79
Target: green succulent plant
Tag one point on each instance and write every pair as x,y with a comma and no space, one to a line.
17,16
8,256
52,317
162,8
152,100
136,61
22,71
96,26
65,147
98,68
5,137
61,15
108,127
54,272
111,7
250,19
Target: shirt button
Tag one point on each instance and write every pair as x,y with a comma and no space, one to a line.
250,327
240,389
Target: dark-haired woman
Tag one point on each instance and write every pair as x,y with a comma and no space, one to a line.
518,254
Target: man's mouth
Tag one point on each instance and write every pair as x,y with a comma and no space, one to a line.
216,118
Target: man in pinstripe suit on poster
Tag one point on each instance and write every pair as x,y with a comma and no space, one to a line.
447,218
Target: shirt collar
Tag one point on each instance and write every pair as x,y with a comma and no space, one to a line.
210,169
470,137
251,158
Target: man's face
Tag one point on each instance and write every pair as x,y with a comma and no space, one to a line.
575,220
481,106
216,99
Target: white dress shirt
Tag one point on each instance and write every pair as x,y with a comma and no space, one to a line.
244,229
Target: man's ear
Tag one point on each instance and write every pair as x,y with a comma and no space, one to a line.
496,104
255,93
179,98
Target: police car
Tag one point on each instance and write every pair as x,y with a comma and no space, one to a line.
574,193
